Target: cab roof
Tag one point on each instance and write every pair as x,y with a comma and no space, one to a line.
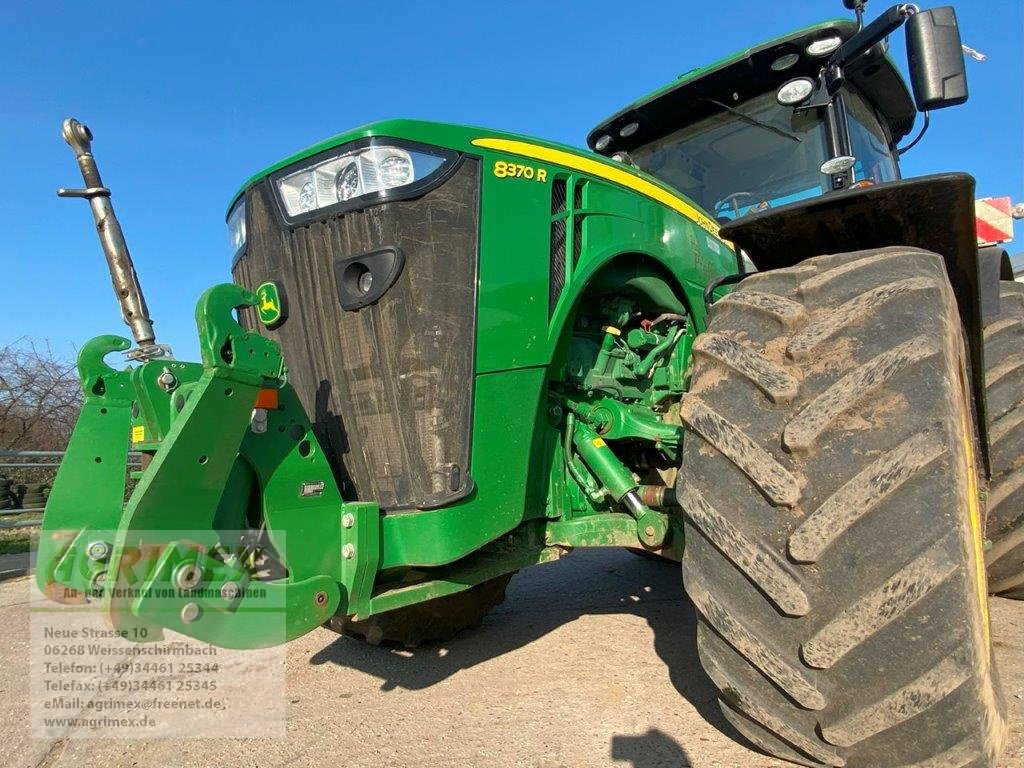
748,73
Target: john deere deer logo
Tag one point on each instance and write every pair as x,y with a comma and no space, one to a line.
267,304
271,305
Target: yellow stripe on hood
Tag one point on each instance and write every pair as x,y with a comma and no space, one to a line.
602,170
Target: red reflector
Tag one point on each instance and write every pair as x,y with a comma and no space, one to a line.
267,398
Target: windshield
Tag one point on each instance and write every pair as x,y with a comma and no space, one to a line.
870,141
760,154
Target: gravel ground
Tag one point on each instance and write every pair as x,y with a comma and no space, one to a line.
590,662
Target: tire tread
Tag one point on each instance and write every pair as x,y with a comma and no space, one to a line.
829,550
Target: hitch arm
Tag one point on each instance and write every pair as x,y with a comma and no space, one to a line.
88,493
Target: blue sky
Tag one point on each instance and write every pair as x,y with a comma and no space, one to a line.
188,99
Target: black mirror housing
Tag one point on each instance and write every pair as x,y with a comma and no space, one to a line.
937,72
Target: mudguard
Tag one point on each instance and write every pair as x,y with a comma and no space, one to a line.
994,266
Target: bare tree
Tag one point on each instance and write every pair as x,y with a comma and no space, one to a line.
40,397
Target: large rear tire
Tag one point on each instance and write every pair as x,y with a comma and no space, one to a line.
1004,372
833,532
429,621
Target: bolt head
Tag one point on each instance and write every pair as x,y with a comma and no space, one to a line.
98,581
649,531
320,598
188,576
190,612
229,590
98,550
348,551
167,380
258,421
348,520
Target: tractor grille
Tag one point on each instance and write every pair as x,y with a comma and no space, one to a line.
389,387
556,282
563,220
556,259
558,196
577,222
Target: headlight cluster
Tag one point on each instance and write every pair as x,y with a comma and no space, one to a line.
353,175
236,226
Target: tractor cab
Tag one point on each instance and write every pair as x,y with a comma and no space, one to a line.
819,110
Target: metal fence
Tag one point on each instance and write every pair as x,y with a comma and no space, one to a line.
48,460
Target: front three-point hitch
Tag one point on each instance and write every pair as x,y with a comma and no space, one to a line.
235,531
236,519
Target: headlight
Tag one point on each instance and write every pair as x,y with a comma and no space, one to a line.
795,91
785,61
346,183
236,226
368,173
824,46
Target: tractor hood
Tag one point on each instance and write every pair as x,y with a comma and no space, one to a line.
477,141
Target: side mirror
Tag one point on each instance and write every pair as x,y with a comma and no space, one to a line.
937,72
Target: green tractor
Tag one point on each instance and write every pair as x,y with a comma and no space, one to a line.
731,336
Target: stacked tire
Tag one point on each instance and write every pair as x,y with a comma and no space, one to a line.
834,546
8,499
1004,381
35,495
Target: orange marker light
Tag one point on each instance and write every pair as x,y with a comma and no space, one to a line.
266,398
